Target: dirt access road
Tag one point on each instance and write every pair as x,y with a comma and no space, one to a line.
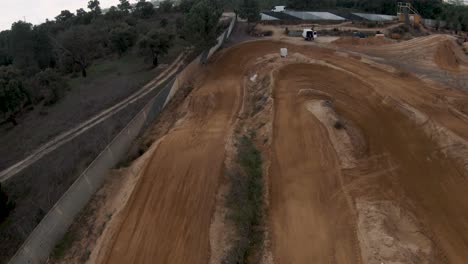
368,164
66,136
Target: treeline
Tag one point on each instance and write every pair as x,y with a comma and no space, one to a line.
454,12
35,59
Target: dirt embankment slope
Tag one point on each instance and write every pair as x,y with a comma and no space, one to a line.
450,57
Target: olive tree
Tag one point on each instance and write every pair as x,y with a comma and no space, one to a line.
154,44
76,45
201,24
122,37
12,93
250,10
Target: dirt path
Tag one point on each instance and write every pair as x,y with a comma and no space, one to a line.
86,125
310,225
169,215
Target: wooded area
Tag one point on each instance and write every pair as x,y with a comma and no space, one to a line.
35,60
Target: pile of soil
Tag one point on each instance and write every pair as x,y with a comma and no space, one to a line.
446,57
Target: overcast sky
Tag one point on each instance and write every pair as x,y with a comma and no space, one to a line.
36,11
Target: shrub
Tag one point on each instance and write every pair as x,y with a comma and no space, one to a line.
12,92
164,22
338,125
245,199
51,84
371,24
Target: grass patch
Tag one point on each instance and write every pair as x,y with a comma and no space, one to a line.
245,201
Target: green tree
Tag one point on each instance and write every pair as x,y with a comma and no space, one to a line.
122,37
5,205
5,55
12,92
186,5
83,17
154,44
77,45
43,49
114,14
5,59
201,24
250,10
95,7
125,6
144,9
21,39
165,6
64,16
51,84
164,22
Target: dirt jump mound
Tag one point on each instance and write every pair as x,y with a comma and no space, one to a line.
447,56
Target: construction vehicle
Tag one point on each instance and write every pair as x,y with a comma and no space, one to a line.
309,34
278,8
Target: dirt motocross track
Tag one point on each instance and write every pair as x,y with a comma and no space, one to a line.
368,164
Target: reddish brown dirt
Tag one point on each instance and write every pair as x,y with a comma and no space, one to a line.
355,41
387,185
430,51
309,224
169,214
445,56
311,218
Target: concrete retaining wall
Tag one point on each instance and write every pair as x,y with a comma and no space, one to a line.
39,244
189,72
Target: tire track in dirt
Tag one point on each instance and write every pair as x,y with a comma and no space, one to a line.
88,124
